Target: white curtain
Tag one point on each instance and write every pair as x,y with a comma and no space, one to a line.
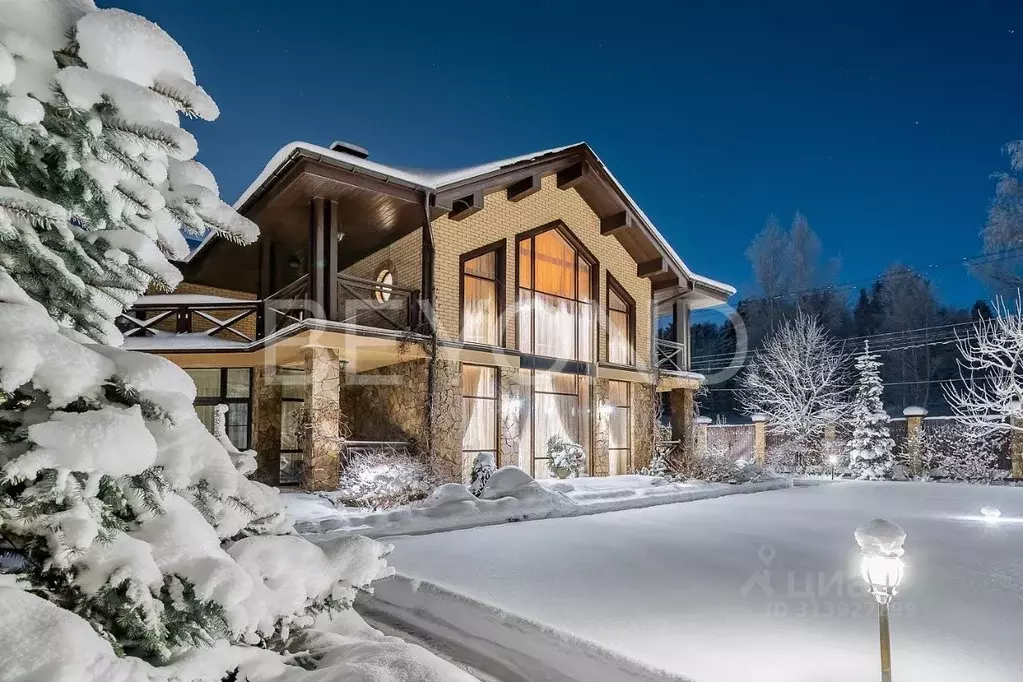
555,326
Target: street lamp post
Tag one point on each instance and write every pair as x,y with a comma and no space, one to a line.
881,548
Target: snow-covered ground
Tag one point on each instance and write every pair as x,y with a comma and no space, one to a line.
511,495
762,587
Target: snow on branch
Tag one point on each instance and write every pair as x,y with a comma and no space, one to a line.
990,381
799,379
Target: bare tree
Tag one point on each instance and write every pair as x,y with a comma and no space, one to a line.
989,393
800,380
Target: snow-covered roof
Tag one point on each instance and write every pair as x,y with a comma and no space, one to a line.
438,180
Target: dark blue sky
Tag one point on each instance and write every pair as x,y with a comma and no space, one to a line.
881,121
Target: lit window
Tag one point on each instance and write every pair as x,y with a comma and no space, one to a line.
555,309
619,325
481,296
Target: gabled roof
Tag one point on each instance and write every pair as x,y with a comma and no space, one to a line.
436,181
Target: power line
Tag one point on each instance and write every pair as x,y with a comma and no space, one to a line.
887,342
979,259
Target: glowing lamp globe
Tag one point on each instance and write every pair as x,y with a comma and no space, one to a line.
991,513
881,548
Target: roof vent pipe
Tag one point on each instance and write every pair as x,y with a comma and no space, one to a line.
349,148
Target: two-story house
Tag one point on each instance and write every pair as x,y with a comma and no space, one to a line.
485,309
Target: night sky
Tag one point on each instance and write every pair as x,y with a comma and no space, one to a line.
881,121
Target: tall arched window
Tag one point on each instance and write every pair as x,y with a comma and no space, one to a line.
555,296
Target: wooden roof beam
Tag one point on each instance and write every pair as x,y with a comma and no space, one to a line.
573,175
613,223
466,206
665,284
524,187
651,268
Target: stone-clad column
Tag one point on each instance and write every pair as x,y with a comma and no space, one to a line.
511,409
447,427
322,449
644,416
601,464
680,401
266,424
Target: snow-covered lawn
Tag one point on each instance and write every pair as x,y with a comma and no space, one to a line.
511,495
750,587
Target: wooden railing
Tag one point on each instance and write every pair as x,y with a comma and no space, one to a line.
286,307
671,356
359,302
374,304
228,320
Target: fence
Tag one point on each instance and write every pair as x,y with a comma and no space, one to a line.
734,441
943,447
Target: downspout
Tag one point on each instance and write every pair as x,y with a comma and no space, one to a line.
430,251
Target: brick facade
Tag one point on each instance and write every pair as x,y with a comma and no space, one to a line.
503,219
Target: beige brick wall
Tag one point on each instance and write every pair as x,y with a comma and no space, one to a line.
503,219
404,258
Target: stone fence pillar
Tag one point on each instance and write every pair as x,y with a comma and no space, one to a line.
1016,446
914,429
760,438
702,424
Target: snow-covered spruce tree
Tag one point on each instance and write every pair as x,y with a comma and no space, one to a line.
116,504
871,447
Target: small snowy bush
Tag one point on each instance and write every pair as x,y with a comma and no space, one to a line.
565,458
383,479
483,467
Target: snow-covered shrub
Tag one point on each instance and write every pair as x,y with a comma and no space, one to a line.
483,467
565,458
960,452
384,478
115,499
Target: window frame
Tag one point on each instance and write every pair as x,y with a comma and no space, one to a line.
498,248
613,285
628,449
497,409
281,450
206,401
581,252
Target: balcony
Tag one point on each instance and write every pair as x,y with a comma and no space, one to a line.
671,356
187,321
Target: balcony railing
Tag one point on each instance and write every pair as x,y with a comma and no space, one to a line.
360,302
228,320
671,356
375,304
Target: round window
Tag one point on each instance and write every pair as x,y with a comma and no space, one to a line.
384,281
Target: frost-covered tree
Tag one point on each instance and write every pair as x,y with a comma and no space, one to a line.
870,449
799,380
116,504
1003,230
989,393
